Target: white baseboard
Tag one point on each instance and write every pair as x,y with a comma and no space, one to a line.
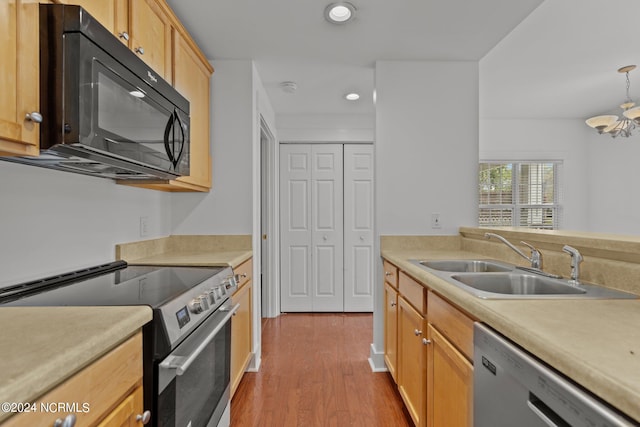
376,360
254,364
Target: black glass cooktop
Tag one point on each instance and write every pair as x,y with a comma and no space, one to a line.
128,285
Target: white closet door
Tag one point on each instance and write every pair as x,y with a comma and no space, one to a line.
295,228
358,227
327,223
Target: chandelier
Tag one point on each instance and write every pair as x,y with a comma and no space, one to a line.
613,125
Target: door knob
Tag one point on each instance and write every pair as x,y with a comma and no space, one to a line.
324,237
362,238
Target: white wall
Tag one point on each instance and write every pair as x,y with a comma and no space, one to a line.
554,139
325,127
54,221
612,179
228,207
426,155
426,146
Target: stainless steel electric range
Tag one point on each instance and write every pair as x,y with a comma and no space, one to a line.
187,345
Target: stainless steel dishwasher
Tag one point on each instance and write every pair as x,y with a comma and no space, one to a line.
512,388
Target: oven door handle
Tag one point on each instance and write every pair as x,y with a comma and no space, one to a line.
181,364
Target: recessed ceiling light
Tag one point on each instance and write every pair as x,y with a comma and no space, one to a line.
339,13
289,86
352,96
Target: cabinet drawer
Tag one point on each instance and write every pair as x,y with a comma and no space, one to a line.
456,326
244,271
413,292
102,385
390,273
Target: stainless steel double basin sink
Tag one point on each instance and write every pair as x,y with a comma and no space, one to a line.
489,279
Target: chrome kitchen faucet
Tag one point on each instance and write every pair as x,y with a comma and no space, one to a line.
536,256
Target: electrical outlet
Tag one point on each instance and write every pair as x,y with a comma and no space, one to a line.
435,220
144,226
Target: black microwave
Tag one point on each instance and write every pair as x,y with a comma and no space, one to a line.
104,112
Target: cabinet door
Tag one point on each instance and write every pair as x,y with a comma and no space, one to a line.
241,334
191,78
113,14
19,77
391,329
412,361
150,35
449,385
125,414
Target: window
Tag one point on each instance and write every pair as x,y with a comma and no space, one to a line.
521,194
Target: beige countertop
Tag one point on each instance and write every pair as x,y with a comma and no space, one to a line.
40,347
197,258
594,342
188,251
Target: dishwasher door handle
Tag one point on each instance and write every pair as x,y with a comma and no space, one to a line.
541,413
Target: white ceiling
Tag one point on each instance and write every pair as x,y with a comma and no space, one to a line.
562,62
290,40
559,61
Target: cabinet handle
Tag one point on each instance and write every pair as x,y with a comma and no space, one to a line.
124,35
139,50
426,341
144,418
387,273
417,332
393,304
34,116
244,275
69,421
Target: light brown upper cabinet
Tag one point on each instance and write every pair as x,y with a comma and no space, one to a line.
143,25
113,14
150,35
153,32
19,78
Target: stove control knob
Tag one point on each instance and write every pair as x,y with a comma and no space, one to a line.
211,296
199,304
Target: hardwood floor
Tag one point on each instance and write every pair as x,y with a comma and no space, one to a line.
315,372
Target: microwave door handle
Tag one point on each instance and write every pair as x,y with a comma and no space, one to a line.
179,156
182,364
167,130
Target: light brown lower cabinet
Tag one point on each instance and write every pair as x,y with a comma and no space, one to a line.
391,330
429,352
241,325
412,361
106,393
449,384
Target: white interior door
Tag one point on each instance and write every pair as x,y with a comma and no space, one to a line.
295,228
358,227
311,227
327,222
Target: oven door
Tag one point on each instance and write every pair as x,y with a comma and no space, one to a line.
193,381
